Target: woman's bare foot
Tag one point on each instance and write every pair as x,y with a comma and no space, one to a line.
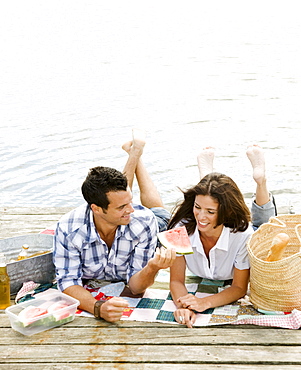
205,161
256,156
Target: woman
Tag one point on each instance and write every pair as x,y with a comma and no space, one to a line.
217,220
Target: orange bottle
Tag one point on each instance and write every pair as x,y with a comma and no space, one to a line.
24,252
4,284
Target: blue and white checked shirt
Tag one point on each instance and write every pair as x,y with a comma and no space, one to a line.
79,252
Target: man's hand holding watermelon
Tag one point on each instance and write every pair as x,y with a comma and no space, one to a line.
163,258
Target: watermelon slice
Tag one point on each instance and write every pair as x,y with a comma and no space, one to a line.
176,238
30,314
57,310
35,316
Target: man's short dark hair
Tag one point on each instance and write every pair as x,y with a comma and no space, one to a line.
99,182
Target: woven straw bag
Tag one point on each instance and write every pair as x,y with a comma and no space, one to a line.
276,286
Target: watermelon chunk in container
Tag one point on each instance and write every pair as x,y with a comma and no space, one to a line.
59,311
42,313
176,238
30,314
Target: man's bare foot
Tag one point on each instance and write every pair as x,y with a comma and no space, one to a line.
139,135
127,146
205,161
256,156
136,145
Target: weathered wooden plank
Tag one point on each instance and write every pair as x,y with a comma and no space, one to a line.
34,210
172,354
18,225
6,219
22,221
62,210
124,366
23,229
33,224
155,335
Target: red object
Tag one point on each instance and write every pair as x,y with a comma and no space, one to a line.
48,232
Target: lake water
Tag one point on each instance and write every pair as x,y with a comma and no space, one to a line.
76,76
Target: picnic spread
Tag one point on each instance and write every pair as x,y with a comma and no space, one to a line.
260,307
156,304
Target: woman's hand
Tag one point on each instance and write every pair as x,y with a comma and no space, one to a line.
193,303
185,317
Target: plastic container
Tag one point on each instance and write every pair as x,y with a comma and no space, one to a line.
49,306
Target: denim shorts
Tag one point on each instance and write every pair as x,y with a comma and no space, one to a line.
162,217
262,214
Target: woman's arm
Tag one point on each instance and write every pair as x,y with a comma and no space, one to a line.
177,280
178,289
237,290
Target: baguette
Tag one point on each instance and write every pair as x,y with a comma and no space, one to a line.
277,248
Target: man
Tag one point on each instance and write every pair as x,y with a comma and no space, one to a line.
111,239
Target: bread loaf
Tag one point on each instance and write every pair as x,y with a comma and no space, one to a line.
277,248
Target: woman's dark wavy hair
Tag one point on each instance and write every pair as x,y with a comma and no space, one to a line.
232,209
99,182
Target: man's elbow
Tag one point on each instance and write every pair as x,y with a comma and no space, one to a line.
136,287
136,291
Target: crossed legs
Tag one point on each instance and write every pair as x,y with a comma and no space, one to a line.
263,207
256,156
149,195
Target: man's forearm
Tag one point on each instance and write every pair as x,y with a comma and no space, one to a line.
85,298
143,279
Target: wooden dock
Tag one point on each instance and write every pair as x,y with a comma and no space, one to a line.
87,343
